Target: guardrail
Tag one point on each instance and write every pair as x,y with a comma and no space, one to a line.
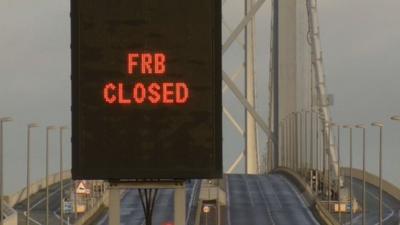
35,187
102,202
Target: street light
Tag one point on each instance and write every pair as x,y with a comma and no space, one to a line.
282,143
317,147
338,164
298,141
28,168
323,154
305,144
360,126
48,128
380,126
2,121
329,125
301,166
351,170
62,128
395,118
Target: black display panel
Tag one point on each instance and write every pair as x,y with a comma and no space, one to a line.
146,89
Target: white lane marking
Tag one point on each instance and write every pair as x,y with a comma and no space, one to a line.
59,217
228,202
274,194
265,201
191,202
301,199
31,219
103,219
248,190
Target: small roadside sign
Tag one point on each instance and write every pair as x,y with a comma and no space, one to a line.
81,189
68,207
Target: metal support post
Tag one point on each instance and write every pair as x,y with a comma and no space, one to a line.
306,142
180,206
339,172
2,121
115,205
311,141
61,177
28,171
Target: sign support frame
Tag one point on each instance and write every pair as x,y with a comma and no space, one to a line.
116,186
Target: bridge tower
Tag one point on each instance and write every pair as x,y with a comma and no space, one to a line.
298,85
251,135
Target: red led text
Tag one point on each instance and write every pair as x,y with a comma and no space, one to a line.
146,63
138,92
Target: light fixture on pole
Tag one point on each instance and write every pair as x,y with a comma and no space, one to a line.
48,128
380,126
28,170
360,126
395,118
2,121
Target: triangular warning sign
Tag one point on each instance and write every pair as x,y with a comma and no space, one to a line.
81,189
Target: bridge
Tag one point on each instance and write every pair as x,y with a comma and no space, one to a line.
300,178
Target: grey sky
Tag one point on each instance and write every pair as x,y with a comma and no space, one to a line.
361,55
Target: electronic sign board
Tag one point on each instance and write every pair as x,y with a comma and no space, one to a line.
146,89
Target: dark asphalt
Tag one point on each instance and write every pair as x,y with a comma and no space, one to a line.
272,199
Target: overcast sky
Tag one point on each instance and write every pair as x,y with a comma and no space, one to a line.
361,51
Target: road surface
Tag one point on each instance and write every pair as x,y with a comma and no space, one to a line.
38,206
391,206
259,200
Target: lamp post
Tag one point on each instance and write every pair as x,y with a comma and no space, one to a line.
2,121
287,142
351,170
282,140
329,125
360,126
28,168
62,128
323,156
306,143
298,147
332,125
317,142
294,141
48,128
290,138
311,141
395,118
380,126
300,143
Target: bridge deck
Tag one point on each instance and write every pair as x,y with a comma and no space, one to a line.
257,200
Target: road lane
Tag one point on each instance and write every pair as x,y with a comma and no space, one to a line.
391,206
257,200
38,205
